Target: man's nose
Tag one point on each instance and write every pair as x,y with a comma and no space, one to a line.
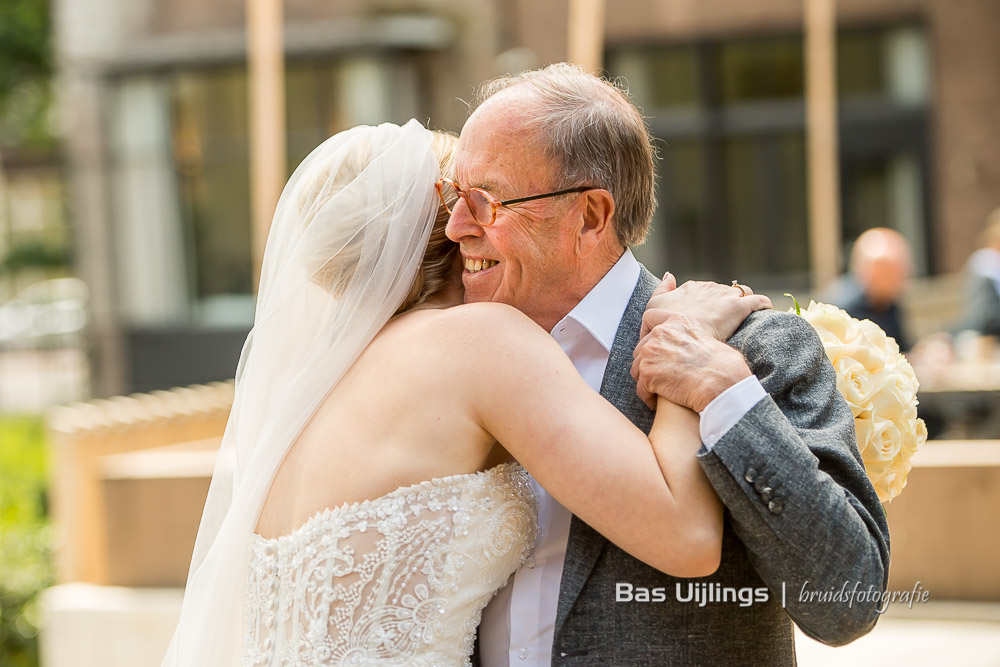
461,224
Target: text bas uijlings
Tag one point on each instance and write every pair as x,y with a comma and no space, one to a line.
700,594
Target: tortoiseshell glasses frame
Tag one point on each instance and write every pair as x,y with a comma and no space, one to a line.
483,205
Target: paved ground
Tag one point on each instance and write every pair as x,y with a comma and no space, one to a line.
85,625
966,634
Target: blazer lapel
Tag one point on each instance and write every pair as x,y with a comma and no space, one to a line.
585,544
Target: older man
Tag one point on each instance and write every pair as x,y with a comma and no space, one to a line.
555,173
880,269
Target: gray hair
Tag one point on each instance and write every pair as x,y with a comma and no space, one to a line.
598,137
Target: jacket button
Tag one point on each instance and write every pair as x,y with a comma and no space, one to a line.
767,494
750,475
760,484
776,506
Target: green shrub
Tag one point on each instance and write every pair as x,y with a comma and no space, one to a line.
25,542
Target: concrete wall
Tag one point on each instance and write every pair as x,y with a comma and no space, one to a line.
943,527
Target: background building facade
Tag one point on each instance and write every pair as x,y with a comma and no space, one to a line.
153,104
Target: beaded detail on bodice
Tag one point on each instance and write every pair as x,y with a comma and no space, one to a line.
398,580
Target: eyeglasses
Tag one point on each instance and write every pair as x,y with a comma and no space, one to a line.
482,204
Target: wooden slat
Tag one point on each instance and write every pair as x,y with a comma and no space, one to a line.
822,142
585,41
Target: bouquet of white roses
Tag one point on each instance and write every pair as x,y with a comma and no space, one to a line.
881,389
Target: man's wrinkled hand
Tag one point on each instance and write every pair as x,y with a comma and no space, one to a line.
682,362
719,309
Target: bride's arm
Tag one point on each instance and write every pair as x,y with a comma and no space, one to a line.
675,438
648,496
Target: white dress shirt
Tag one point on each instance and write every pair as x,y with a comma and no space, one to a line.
986,262
519,622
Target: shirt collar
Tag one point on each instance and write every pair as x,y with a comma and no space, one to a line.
602,309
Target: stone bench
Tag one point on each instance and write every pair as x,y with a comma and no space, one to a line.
944,528
86,625
152,503
84,435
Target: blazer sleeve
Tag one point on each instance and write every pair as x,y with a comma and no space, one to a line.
795,488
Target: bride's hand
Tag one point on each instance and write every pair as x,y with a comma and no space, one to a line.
718,309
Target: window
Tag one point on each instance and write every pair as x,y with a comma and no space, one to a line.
211,155
35,237
180,151
759,70
729,118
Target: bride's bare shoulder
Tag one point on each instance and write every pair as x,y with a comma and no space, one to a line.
490,314
475,327
489,319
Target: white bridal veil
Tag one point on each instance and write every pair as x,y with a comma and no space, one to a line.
347,238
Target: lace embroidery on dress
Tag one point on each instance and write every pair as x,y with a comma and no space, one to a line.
398,580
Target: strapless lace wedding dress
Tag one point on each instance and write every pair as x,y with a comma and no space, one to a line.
398,580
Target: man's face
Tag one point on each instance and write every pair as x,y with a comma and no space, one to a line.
534,243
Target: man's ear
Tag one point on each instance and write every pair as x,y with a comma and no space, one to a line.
598,210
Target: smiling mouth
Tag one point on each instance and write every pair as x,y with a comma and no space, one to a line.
477,265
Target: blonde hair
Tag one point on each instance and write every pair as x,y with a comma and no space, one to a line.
437,269
334,263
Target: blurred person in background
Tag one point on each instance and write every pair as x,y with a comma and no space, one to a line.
880,269
982,293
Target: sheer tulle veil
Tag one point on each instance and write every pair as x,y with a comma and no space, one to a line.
348,236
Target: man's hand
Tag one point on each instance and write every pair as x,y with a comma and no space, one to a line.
719,309
679,360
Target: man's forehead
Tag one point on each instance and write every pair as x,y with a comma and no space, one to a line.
484,168
502,177
501,122
496,151
494,135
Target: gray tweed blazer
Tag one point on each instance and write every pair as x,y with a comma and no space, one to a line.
801,517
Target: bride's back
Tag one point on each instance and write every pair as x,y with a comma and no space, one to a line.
380,543
333,406
396,418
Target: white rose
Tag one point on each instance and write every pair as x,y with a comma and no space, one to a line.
832,319
882,439
873,334
892,396
914,436
889,476
882,475
827,338
871,358
885,484
881,389
865,348
903,367
901,470
863,427
854,382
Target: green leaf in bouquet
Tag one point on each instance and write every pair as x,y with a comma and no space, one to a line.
798,309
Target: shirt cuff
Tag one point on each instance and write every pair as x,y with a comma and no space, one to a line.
728,408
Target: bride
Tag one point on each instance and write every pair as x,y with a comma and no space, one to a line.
369,496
